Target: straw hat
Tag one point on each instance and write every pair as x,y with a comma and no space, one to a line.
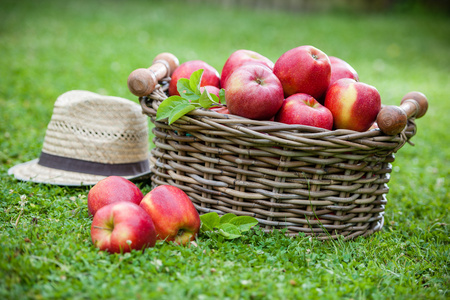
90,137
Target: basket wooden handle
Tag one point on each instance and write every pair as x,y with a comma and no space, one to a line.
392,119
142,81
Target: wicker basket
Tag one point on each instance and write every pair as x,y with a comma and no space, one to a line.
305,179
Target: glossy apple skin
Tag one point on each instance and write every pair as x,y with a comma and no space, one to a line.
253,91
304,69
341,69
112,189
238,59
210,75
173,214
354,105
303,109
121,227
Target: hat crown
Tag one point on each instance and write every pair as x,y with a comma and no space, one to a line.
91,127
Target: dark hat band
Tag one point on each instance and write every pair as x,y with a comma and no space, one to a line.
90,167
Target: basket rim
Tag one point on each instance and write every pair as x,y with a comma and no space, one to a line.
264,131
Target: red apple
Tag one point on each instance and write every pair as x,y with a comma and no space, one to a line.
173,214
303,109
121,227
112,189
304,69
341,69
221,109
239,58
210,75
354,105
254,92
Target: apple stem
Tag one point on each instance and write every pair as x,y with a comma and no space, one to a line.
180,232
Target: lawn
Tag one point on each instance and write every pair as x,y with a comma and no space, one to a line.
50,47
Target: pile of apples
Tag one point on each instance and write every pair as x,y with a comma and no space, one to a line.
124,219
304,86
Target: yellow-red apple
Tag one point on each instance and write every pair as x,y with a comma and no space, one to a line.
112,189
121,227
303,109
253,91
304,69
239,58
173,214
354,105
210,75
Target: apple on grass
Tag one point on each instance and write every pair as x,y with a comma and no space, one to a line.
304,69
173,214
341,69
239,58
112,189
253,91
121,227
303,109
354,105
210,75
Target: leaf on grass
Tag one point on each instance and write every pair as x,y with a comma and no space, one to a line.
166,107
229,231
244,223
209,221
179,111
226,218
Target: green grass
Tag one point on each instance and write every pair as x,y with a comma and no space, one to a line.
48,48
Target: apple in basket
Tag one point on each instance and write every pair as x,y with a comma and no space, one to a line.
303,109
173,214
241,57
253,91
185,70
304,69
121,227
341,69
112,189
354,105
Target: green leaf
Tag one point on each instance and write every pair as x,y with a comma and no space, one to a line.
215,99
185,91
166,107
205,99
226,218
179,111
209,221
195,80
244,223
222,97
229,231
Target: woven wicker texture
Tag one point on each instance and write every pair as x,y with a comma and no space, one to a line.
305,179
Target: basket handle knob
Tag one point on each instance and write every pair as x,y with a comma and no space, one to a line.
142,81
393,119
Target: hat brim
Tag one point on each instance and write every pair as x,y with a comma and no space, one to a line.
33,172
